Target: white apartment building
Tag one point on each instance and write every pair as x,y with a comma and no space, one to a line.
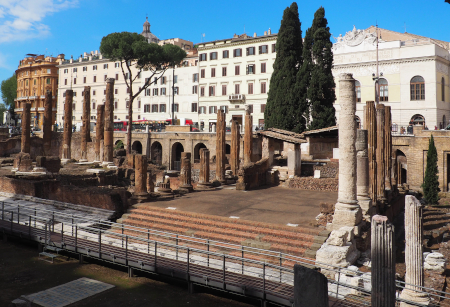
414,75
158,99
93,70
235,75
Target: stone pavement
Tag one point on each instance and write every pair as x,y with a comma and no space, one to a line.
270,205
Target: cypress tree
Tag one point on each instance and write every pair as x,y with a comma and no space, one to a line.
281,109
431,183
320,93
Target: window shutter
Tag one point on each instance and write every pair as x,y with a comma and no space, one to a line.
247,50
260,49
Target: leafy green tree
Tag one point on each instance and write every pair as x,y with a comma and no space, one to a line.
431,182
9,93
282,110
320,93
131,49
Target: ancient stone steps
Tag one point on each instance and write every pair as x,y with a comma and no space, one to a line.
299,241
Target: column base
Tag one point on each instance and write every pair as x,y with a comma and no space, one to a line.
139,198
82,160
346,218
187,187
204,186
415,297
64,161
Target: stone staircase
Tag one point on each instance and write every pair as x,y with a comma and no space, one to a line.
298,241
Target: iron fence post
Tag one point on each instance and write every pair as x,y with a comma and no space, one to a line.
76,238
12,220
156,252
126,250
35,217
45,237
242,261
176,248
122,235
281,262
3,210
264,281
223,268
187,258
18,215
29,226
99,243
148,241
72,225
62,232
53,221
208,253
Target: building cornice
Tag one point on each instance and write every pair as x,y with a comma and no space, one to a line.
393,61
237,43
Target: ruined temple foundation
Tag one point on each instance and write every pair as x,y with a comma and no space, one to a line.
414,277
203,180
235,147
347,211
108,145
99,131
140,194
47,125
86,128
67,134
383,262
220,147
185,172
362,179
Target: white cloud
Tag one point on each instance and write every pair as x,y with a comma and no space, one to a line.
23,19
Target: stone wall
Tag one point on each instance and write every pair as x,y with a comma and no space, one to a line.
322,148
253,176
328,170
314,184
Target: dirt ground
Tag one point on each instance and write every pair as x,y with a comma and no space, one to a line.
22,273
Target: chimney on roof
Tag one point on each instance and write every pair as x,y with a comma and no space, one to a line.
270,31
265,33
254,34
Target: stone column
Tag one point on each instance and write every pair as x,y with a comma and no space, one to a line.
370,124
268,149
413,253
394,173
248,138
26,121
48,122
383,262
387,147
140,180
86,129
185,173
67,136
150,184
220,146
108,146
203,180
362,181
347,211
235,147
99,131
380,155
294,161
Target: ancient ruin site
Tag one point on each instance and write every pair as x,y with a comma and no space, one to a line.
329,217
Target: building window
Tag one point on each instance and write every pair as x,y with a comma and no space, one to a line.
202,73
263,108
202,110
139,104
418,120
117,76
105,66
203,57
274,48
224,89
443,89
163,91
250,108
213,56
195,77
93,106
175,107
263,68
115,116
94,67
237,52
224,109
175,79
236,70
212,109
212,90
65,81
105,77
66,71
154,108
224,71
74,80
75,70
162,108
93,93
194,107
116,91
117,64
202,91
225,54
73,106
104,92
194,89
237,88
115,105
251,51
417,88
84,79
163,80
263,87
213,72
95,79
155,92
176,90
263,49
84,68
147,92
383,89
250,88
358,91
250,69
146,108
74,94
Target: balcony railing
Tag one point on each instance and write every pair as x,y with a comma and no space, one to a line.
236,98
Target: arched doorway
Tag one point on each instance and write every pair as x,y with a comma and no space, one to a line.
156,153
402,167
197,152
119,144
177,149
418,120
137,147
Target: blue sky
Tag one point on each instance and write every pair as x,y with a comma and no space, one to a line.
75,26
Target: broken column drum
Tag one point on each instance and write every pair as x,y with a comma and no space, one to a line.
108,146
67,134
86,129
203,180
347,211
140,180
380,156
414,277
47,125
26,121
383,262
99,130
220,146
362,181
185,173
370,124
248,138
235,147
